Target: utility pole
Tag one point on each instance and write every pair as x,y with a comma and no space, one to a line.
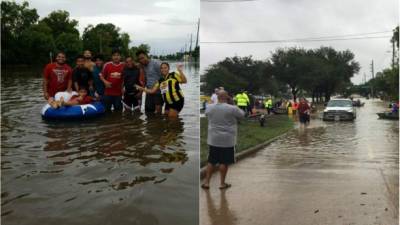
190,48
365,78
373,76
198,29
393,53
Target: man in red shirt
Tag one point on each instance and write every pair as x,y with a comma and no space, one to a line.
113,80
57,77
304,111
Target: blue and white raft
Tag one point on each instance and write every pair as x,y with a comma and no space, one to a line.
75,112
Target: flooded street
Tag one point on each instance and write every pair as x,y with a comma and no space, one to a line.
117,169
332,173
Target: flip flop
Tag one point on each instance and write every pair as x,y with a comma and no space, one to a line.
226,186
205,186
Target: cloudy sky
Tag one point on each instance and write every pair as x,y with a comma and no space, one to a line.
164,24
255,20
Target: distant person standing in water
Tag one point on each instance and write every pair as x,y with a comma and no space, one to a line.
304,111
57,77
154,101
221,137
97,82
113,80
88,60
82,77
133,76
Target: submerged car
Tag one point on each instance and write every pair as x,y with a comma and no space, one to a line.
339,109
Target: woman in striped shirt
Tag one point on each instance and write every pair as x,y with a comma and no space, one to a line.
170,89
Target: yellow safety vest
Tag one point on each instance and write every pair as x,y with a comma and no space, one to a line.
247,98
241,100
268,103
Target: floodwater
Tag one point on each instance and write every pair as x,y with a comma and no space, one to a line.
118,169
329,173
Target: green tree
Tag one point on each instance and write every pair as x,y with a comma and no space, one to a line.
37,42
241,73
320,71
70,43
125,40
217,76
59,22
15,19
102,38
288,67
142,47
339,68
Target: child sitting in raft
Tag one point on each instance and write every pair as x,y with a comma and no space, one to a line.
81,99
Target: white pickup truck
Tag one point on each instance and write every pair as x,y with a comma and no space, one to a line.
339,109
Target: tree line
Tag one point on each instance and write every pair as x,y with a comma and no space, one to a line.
290,72
28,40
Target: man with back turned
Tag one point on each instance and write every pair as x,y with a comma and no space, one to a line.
221,139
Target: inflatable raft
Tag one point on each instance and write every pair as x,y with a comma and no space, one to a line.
72,112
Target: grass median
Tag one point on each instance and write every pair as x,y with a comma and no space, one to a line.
250,133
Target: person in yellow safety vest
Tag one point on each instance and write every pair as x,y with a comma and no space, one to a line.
289,107
268,105
241,101
248,108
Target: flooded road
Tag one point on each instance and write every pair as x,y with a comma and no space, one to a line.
330,173
117,169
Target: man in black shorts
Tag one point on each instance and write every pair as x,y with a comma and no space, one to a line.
221,138
132,75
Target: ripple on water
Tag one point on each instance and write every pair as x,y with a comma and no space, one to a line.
84,167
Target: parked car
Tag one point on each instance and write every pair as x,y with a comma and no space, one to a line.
339,109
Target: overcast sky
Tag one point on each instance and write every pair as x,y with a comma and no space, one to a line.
164,24
291,19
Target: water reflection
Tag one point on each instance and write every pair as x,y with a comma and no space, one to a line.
304,171
221,215
129,164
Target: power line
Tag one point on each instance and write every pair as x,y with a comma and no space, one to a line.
293,40
228,1
349,35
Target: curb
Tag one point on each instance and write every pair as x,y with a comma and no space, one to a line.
243,154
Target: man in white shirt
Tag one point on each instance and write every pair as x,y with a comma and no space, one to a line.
214,96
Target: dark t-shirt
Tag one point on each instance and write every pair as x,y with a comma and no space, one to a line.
82,76
131,77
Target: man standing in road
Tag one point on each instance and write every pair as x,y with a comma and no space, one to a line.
304,111
221,138
153,102
57,77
